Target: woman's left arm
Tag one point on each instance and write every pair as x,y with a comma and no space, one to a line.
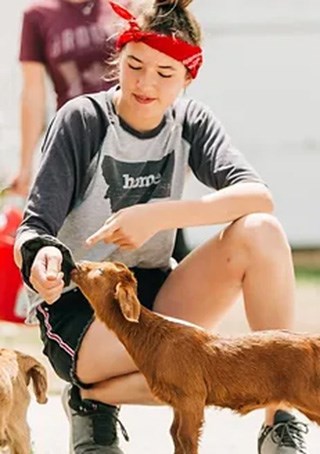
131,227
223,206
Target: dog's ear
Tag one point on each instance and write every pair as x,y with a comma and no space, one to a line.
34,370
128,301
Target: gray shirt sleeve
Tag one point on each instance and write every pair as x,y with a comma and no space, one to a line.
72,139
213,159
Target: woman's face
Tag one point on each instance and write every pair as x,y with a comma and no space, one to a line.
150,81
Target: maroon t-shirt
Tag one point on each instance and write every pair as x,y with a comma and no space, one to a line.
71,40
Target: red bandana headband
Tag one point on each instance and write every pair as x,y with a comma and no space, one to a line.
189,55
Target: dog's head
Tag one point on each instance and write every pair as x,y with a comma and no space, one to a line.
33,370
107,283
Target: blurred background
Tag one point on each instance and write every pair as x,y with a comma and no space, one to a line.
261,78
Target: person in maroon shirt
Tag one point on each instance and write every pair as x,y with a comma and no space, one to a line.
70,41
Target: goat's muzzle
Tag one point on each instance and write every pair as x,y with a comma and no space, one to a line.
76,273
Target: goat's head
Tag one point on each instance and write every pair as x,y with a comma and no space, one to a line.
107,283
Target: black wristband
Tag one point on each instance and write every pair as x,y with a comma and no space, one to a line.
31,247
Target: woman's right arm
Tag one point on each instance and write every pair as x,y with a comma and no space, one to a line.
32,122
70,143
32,101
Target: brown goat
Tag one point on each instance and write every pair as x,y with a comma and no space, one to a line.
16,370
188,368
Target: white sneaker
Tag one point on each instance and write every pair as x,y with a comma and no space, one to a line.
93,425
286,436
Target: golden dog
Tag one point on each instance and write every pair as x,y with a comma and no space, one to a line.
16,371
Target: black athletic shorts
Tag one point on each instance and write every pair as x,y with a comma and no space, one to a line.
64,323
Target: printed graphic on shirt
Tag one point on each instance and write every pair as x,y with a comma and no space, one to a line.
132,183
79,67
72,40
75,79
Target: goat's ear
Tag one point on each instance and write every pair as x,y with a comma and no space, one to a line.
128,301
34,370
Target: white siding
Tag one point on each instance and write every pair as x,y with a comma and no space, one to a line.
261,77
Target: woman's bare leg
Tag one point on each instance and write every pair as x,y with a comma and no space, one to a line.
251,255
126,389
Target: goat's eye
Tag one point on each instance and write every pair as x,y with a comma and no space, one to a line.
100,270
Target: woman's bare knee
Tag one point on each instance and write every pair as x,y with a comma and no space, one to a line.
260,233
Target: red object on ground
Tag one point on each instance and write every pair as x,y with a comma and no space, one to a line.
13,296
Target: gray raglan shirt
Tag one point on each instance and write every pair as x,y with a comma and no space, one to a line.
94,164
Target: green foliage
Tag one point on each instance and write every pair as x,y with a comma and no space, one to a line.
307,273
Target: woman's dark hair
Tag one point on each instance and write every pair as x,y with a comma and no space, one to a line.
171,17
167,17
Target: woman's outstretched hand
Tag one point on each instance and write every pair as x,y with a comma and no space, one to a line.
46,275
129,228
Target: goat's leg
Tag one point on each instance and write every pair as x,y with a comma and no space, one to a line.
311,413
311,416
190,423
309,405
174,431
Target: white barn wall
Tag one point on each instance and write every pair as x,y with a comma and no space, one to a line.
261,78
